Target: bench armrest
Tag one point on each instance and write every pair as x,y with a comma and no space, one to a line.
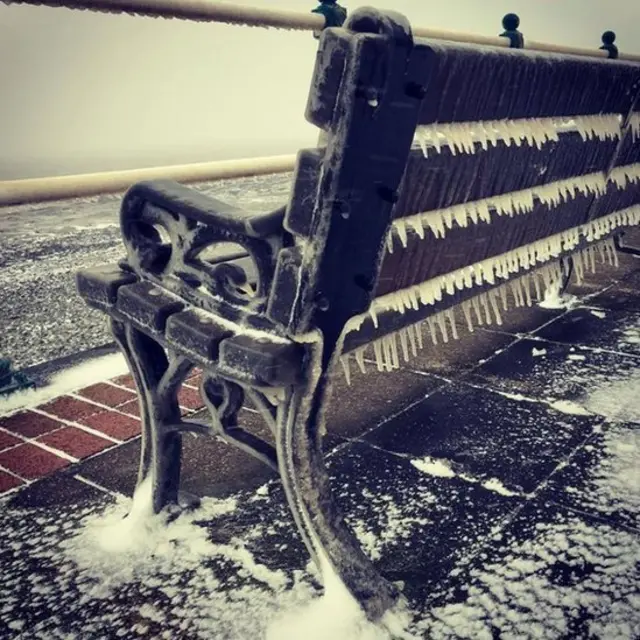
169,231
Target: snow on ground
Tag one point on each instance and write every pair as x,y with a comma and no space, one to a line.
42,246
67,381
545,586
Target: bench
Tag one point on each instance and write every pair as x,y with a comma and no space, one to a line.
453,181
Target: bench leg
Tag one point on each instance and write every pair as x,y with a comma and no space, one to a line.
306,482
620,248
158,381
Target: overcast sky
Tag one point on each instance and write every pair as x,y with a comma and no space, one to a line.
86,92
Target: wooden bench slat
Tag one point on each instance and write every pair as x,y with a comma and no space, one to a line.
431,257
443,180
470,83
427,257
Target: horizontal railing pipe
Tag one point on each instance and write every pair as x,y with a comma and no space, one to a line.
32,190
194,10
212,11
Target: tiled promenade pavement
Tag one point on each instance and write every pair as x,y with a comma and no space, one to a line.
496,479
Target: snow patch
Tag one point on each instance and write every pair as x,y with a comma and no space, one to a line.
336,615
72,379
434,467
495,485
618,400
554,299
569,407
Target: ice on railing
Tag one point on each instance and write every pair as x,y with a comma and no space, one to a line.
510,204
462,137
483,309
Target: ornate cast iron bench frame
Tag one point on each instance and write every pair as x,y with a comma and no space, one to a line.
274,333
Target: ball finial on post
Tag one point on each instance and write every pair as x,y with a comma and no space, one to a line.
511,22
608,38
334,14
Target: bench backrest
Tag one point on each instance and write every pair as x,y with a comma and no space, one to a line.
440,156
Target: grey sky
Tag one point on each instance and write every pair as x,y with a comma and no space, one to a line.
89,92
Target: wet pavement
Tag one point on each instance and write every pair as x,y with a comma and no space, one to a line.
495,479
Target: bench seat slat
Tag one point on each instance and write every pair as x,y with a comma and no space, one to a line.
469,83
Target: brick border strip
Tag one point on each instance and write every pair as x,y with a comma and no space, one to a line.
39,441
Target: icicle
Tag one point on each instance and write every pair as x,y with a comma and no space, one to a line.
517,293
394,351
404,344
466,310
503,296
401,230
592,258
485,305
527,290
377,351
344,361
373,314
579,268
412,331
432,329
386,354
419,336
359,354
390,242
493,298
614,253
452,322
440,319
417,225
476,307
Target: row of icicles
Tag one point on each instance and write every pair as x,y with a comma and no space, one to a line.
483,309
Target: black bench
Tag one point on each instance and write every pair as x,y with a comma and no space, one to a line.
456,180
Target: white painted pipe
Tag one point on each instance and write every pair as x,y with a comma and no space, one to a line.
196,10
13,192
212,11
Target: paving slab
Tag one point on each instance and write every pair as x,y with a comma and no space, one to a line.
551,370
617,331
602,478
486,436
549,573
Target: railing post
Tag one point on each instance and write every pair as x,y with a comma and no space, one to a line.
511,22
608,38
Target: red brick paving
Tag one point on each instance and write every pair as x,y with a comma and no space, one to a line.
114,424
107,394
30,461
29,424
75,442
132,408
125,381
7,481
70,408
195,381
190,399
7,440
